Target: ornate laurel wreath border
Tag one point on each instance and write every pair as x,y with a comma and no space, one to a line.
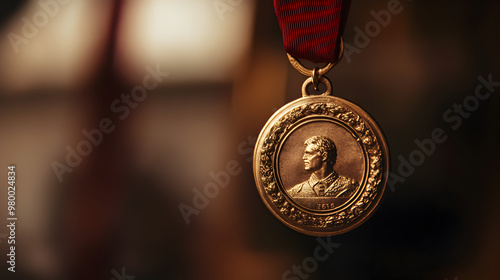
268,177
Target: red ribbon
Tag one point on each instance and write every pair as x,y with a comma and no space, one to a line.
312,28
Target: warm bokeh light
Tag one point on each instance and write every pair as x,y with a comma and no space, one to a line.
57,44
200,42
68,65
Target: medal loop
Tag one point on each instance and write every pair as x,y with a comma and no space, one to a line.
320,72
315,78
321,79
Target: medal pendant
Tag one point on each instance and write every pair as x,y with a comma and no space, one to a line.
321,164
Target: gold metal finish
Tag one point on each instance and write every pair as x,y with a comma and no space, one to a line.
310,72
323,80
321,165
315,78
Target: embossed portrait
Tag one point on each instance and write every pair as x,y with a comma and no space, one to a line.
319,156
321,164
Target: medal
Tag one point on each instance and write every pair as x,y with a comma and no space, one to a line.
320,163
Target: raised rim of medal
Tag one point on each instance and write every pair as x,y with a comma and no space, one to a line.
383,146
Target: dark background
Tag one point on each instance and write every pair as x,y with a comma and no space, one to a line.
119,207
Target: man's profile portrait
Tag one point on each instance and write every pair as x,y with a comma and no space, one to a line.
319,158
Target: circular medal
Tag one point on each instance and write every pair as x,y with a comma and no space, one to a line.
321,164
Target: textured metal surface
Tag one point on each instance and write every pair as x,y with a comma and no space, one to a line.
321,165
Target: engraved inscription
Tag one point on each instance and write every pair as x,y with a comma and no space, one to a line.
325,206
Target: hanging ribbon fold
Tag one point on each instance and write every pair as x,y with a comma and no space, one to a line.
312,28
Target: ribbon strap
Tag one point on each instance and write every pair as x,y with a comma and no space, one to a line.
312,29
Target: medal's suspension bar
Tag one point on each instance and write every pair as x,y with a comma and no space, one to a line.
316,75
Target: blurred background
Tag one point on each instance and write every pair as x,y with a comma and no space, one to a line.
114,210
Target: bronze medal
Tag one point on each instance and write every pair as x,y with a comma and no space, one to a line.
321,163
